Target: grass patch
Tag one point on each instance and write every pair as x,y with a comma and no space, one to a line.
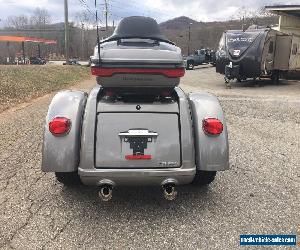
20,83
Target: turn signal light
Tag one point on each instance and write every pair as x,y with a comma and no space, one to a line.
212,126
59,126
108,72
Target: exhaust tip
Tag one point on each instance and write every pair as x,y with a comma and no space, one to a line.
169,191
105,192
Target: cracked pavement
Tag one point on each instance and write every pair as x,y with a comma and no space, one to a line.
259,195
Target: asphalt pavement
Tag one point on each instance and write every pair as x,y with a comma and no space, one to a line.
258,195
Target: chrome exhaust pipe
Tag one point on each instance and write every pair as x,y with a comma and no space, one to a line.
105,192
169,191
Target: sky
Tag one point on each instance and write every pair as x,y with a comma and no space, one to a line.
162,10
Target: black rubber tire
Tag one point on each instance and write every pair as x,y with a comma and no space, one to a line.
204,177
68,178
190,65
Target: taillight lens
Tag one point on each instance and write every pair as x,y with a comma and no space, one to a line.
212,126
59,126
108,72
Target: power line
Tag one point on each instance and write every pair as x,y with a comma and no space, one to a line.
85,5
122,8
88,9
135,6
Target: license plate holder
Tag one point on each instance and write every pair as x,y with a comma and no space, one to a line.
136,142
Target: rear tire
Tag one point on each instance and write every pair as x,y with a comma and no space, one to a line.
68,178
204,177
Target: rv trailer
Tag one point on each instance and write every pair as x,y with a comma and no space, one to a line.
257,53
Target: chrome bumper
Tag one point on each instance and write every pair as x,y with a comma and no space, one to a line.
136,177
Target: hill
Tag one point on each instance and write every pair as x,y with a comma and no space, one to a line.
177,23
205,34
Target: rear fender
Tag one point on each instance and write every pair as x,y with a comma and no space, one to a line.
212,152
61,153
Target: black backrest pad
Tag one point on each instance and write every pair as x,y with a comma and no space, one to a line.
137,27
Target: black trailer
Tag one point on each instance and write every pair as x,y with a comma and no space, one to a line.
256,53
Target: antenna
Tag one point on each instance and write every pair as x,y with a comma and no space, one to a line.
98,38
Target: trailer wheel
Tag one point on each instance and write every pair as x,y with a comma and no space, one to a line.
227,82
68,178
204,177
275,77
190,65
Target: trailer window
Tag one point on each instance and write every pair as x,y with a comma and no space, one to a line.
271,47
294,49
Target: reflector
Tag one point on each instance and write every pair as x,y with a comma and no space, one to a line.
107,72
138,157
59,126
212,126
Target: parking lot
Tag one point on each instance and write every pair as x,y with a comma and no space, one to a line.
259,195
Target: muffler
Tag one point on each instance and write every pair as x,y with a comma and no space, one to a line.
169,191
105,192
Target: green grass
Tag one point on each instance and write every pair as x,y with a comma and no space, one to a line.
21,83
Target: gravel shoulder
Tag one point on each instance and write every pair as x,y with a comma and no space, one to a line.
259,195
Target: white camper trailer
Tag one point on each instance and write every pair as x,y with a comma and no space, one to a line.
262,52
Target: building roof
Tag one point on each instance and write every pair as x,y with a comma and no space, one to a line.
26,39
290,10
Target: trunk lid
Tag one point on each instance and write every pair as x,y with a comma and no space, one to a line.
137,140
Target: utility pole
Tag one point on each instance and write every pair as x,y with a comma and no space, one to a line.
82,40
67,45
23,49
39,50
189,39
106,13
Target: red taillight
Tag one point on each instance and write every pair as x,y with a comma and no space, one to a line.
59,126
107,72
212,126
138,157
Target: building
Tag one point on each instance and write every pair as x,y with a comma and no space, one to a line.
289,18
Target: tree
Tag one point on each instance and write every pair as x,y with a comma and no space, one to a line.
40,18
84,18
17,22
249,16
262,12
